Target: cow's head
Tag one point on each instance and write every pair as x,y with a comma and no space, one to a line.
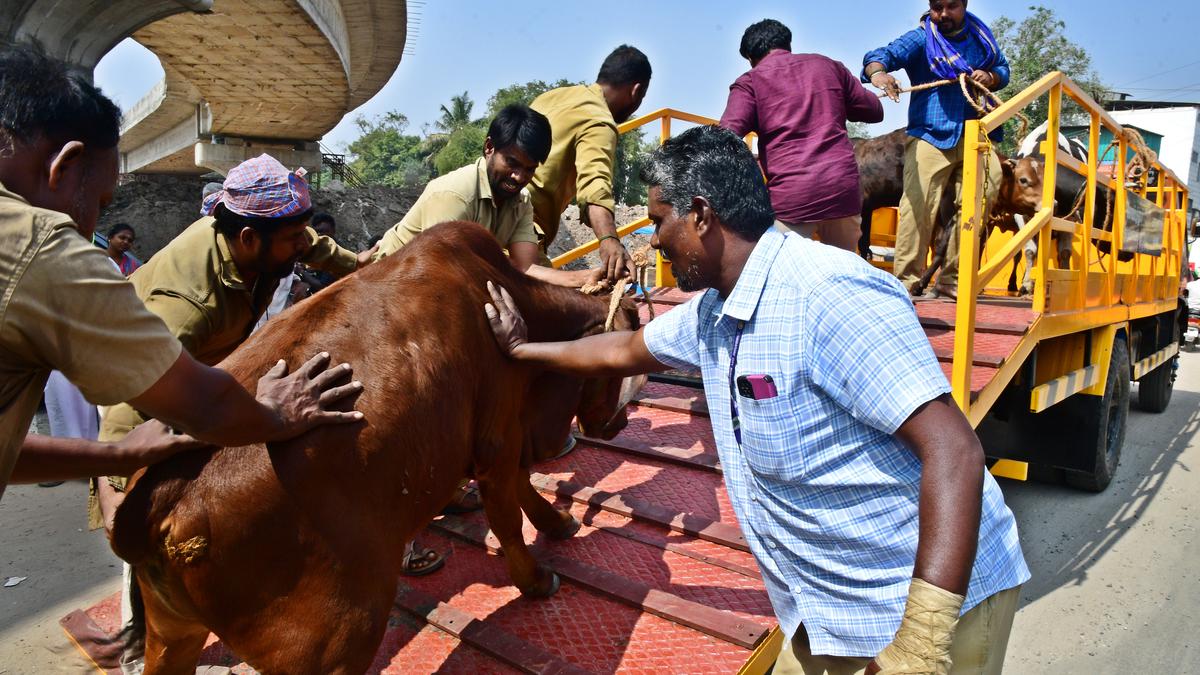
601,411
1021,186
597,403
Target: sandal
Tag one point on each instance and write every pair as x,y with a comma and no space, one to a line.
419,562
467,500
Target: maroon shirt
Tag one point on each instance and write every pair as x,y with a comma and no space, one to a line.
799,105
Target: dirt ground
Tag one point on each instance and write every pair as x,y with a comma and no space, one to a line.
1115,588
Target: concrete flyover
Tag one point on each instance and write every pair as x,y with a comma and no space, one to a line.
242,77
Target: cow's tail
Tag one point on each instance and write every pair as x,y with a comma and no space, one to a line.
132,637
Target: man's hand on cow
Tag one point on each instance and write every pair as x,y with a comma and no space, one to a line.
887,83
365,257
615,260
152,442
505,319
304,399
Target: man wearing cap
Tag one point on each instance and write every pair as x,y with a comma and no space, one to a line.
214,280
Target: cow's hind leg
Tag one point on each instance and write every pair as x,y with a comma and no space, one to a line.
501,492
547,519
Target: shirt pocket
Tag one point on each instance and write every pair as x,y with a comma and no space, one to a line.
770,436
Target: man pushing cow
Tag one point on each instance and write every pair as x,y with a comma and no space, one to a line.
859,484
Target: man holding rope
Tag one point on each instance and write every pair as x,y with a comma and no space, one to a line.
949,42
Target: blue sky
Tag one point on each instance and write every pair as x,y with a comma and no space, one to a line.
481,46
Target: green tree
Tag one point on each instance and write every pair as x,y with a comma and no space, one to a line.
384,155
457,115
1034,47
632,148
522,93
858,130
463,146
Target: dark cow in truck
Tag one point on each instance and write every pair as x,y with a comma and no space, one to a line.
881,177
291,552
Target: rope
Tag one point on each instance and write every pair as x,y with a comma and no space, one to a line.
987,102
641,277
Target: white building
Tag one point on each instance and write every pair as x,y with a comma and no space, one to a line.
1179,125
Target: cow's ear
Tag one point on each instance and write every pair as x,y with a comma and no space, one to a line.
1008,166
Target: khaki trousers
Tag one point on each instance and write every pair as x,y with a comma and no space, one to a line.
840,232
928,173
980,642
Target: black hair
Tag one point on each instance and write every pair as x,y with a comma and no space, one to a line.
47,98
760,38
322,217
119,228
523,126
625,65
713,163
230,223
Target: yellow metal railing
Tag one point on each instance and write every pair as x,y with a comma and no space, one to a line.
1147,283
662,273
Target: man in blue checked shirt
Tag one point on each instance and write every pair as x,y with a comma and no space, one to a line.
861,488
949,41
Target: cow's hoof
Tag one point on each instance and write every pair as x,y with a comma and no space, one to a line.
568,529
546,585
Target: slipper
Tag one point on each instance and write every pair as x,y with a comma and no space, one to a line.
423,562
567,447
468,501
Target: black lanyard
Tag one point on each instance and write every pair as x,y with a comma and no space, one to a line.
733,409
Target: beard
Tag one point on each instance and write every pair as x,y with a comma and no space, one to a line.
274,271
688,276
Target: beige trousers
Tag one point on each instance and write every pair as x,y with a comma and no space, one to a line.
840,232
980,642
928,173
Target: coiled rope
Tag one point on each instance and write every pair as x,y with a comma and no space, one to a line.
641,277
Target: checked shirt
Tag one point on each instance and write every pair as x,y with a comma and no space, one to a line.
825,494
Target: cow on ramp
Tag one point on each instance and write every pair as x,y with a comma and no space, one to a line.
291,552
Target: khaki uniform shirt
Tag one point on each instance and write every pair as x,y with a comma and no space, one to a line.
63,306
463,194
194,286
580,165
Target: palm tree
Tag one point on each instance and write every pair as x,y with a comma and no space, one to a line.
458,115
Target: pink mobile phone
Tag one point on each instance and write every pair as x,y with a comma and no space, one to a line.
757,387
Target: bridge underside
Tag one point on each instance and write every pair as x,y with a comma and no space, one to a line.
242,77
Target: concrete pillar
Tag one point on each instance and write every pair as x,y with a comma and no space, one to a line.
223,157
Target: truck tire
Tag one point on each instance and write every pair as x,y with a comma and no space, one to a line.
1155,387
1105,438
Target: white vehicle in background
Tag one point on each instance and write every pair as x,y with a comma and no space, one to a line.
1191,335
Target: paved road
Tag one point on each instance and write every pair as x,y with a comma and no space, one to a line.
1115,588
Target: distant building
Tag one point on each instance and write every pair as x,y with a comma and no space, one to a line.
1177,127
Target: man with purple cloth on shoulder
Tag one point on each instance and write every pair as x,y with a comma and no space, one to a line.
799,104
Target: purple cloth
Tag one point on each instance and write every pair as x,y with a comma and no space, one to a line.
799,105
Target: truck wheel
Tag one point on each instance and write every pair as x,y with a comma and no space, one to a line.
1155,387
1105,438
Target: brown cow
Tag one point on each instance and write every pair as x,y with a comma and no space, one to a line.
290,553
881,177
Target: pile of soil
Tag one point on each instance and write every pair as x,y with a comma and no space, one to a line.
572,233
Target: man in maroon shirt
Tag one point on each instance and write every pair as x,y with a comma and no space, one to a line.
799,104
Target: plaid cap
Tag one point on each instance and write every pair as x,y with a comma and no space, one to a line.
263,188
